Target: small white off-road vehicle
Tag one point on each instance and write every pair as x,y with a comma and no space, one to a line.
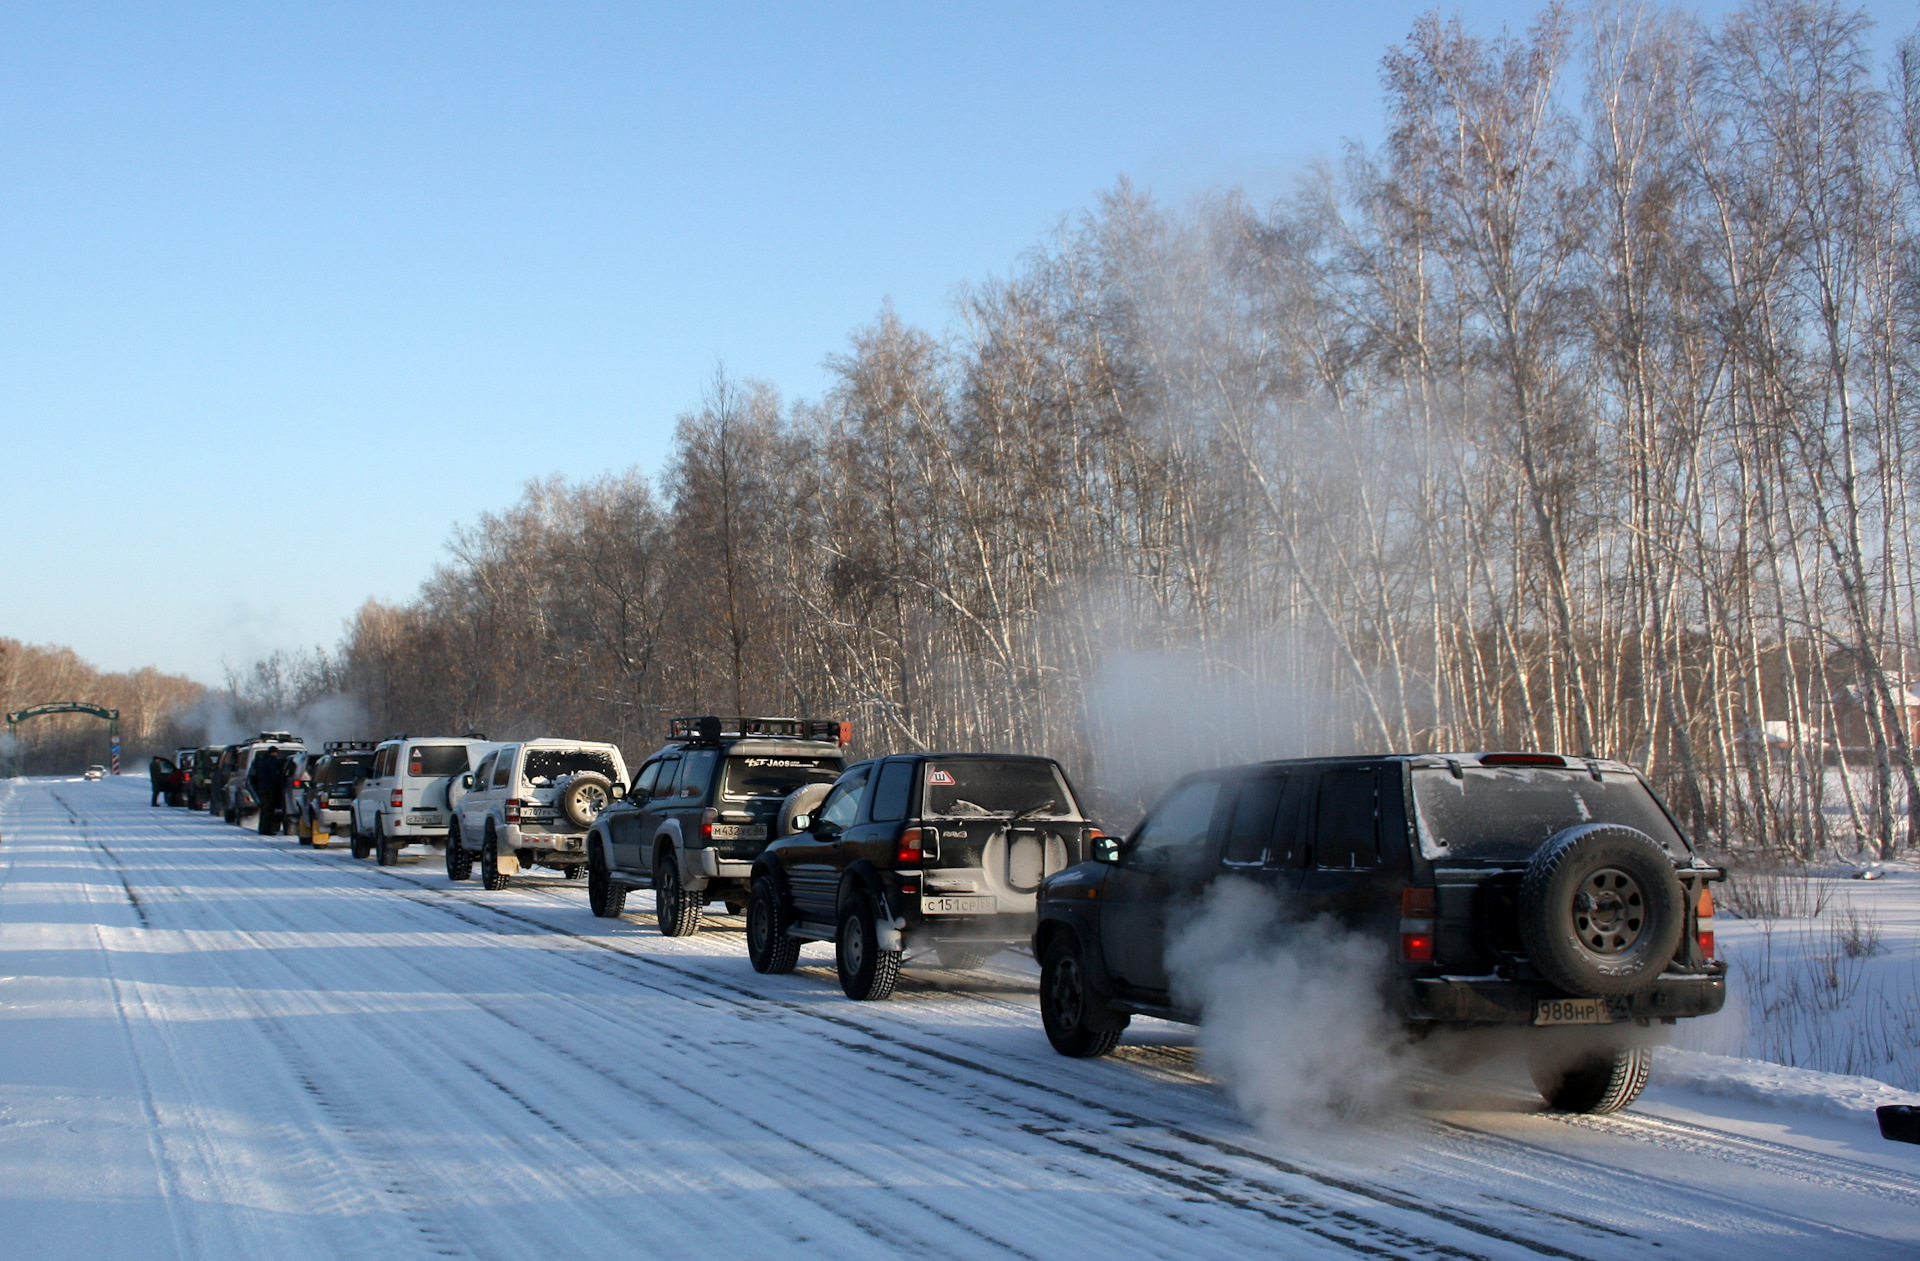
530,805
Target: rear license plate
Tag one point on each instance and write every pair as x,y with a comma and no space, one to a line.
1572,1011
956,906
739,831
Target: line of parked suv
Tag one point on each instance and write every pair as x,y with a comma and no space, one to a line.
1534,891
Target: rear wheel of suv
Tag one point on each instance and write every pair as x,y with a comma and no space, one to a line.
1076,1021
769,948
867,973
386,849
491,877
1606,1079
459,857
1601,910
677,911
965,958
607,896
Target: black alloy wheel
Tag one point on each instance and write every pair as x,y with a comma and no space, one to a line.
1077,1022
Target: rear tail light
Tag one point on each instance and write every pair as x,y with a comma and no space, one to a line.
513,809
1703,922
1416,925
910,853
398,800
706,823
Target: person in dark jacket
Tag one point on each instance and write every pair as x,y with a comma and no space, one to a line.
267,778
159,771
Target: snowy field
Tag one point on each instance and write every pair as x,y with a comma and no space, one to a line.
217,1044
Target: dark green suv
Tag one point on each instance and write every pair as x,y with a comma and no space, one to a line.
701,810
1554,894
944,849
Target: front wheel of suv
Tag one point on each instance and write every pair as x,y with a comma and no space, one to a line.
1077,1022
1593,1080
867,973
459,857
769,948
677,911
607,896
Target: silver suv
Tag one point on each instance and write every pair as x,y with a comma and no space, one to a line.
530,805
403,800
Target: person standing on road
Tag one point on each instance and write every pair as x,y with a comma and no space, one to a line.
158,771
267,778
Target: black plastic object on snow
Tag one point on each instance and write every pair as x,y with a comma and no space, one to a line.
1899,1122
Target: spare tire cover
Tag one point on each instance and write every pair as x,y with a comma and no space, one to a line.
803,800
1601,910
584,796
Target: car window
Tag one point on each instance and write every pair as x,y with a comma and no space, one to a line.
1178,829
551,764
1345,828
383,761
696,772
436,761
972,788
484,771
759,775
842,805
503,766
1509,812
1251,831
649,775
891,791
669,773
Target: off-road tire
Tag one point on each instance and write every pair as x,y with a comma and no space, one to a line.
676,910
1602,1080
1601,910
867,973
605,895
492,879
584,797
802,800
769,948
1078,1024
386,849
459,857
574,871
361,846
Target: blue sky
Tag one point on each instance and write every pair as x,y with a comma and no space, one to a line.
288,291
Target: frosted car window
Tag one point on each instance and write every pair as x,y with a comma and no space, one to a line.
975,788
1179,826
1508,812
843,804
504,767
551,764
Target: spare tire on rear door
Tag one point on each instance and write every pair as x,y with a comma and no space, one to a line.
584,796
1601,910
806,800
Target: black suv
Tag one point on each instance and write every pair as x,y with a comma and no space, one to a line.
946,848
1520,889
701,810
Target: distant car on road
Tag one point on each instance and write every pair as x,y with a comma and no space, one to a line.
95,771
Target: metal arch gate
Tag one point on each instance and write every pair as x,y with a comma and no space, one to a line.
19,716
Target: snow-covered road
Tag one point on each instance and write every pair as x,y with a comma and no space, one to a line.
217,1044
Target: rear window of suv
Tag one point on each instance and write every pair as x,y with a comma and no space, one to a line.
763,776
1508,812
550,764
984,788
434,760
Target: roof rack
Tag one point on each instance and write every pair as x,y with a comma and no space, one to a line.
335,746
710,728
277,737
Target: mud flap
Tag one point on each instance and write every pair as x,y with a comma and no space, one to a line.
889,934
508,864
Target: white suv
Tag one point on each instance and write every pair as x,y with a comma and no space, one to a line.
403,799
531,805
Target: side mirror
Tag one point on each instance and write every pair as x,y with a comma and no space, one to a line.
802,822
466,781
1106,849
619,789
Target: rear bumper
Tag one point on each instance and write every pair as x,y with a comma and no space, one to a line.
1491,1000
